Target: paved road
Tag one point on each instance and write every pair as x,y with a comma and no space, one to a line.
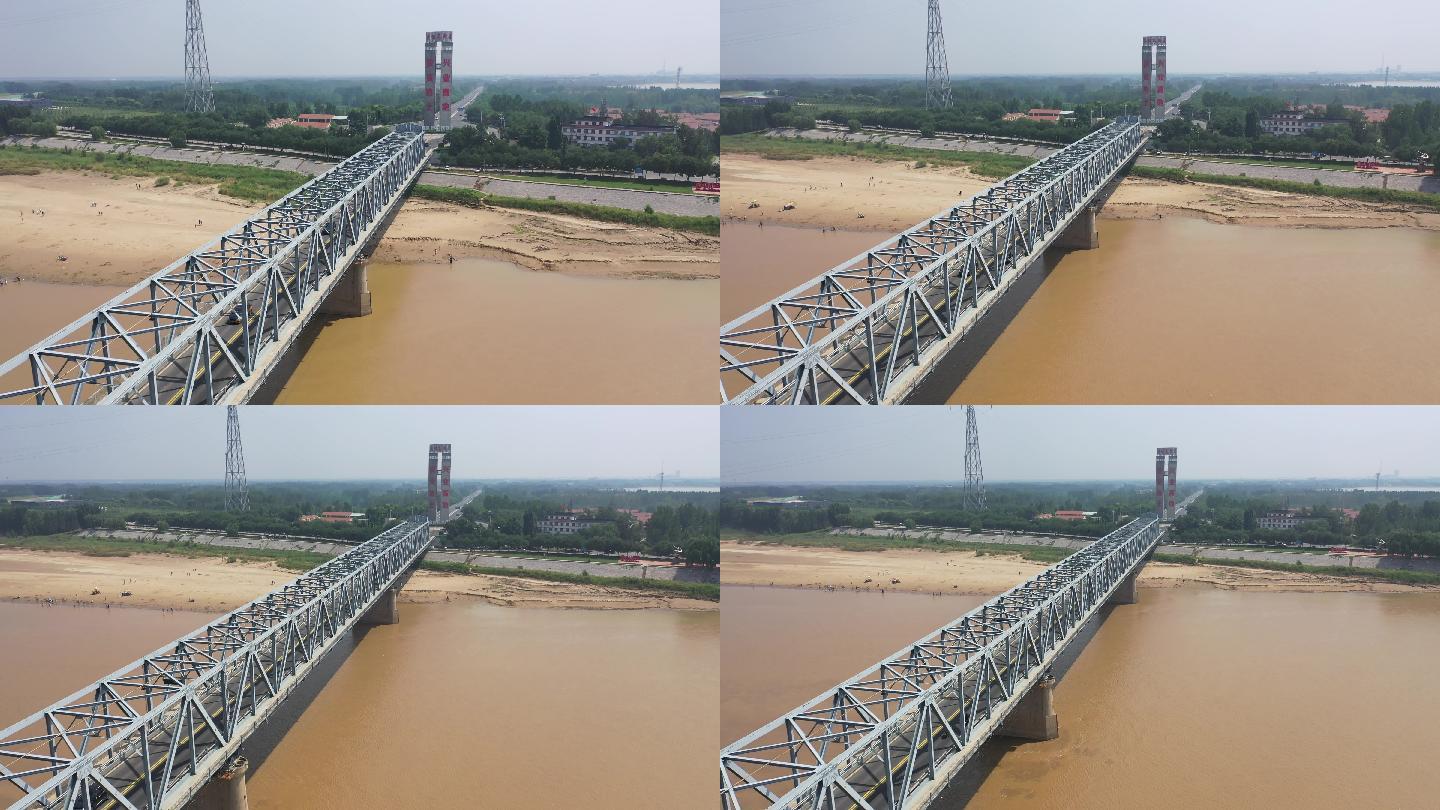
186,155
598,568
690,205
897,138
1311,557
1329,177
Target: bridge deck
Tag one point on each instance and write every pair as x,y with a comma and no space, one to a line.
149,735
204,329
869,329
893,735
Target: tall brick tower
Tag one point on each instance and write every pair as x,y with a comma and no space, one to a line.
439,483
1165,489
439,54
1152,77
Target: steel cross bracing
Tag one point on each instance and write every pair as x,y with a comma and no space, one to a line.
895,733
195,331
849,335
151,734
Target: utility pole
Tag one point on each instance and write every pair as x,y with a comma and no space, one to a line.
237,497
974,470
937,68
198,97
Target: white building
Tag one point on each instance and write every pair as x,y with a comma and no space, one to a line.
565,524
598,130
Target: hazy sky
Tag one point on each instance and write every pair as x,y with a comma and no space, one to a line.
354,442
1077,443
851,37
104,38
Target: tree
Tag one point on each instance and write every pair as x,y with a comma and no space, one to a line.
177,139
97,133
529,525
703,551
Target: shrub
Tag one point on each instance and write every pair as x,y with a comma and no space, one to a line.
162,181
97,133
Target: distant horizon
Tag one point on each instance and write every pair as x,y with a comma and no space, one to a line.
920,76
1403,480
417,78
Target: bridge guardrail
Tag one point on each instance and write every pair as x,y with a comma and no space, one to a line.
904,726
850,334
195,331
150,734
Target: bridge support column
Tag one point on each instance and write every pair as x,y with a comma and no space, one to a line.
225,790
383,611
1034,717
1125,593
351,296
1082,233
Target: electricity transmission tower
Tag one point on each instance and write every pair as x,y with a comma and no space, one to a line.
974,470
937,69
237,498
198,97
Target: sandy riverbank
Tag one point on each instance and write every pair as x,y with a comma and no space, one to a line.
136,229
210,584
1138,198
431,231
132,230
834,192
900,196
965,572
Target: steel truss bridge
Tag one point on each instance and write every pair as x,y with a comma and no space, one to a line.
893,736
208,328
869,330
150,735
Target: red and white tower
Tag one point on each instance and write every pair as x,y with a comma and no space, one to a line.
1152,77
1165,489
439,54
439,483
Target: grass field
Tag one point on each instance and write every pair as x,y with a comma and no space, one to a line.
1382,575
1047,554
478,199
672,186
1419,199
693,590
242,182
985,164
98,547
305,560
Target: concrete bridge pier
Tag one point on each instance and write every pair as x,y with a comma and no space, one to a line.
1125,593
1082,234
225,790
351,295
383,611
1033,718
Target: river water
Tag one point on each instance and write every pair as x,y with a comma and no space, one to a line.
31,311
1192,698
461,704
485,331
1180,311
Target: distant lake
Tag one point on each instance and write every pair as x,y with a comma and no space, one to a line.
672,489
1395,83
1387,488
683,85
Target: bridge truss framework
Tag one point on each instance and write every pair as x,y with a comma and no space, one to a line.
893,735
149,735
203,329
857,332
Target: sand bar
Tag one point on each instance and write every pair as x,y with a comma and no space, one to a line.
209,584
894,195
965,572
